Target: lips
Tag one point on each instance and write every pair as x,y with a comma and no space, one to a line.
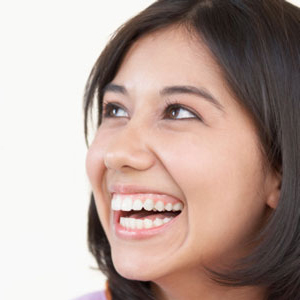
132,221
147,231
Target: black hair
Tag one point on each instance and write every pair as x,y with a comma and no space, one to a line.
256,44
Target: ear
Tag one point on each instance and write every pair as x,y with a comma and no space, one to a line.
273,188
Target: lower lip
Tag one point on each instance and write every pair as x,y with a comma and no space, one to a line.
122,232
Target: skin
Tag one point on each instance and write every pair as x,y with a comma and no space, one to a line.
225,191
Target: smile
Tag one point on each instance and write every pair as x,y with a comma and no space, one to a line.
141,215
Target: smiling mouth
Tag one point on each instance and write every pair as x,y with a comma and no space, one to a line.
145,219
137,212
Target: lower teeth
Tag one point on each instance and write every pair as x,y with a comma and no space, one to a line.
132,223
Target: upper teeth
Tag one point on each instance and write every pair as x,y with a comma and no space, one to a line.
127,203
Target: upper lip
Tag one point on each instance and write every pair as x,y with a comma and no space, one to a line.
135,189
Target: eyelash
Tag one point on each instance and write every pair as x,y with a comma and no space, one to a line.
108,107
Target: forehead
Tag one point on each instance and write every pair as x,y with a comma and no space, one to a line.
171,57
172,54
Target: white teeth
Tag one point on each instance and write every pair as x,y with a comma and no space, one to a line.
126,204
139,224
159,206
116,203
177,207
148,223
158,222
127,223
137,204
168,206
132,223
166,220
122,221
148,204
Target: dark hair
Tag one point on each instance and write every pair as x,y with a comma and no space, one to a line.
256,44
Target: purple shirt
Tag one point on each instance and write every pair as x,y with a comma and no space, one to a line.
93,296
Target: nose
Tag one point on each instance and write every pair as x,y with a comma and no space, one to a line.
128,149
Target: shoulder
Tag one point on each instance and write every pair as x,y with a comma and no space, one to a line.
93,296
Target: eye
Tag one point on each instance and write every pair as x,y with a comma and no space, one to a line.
173,111
179,112
112,110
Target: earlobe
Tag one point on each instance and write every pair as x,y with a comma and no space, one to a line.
273,188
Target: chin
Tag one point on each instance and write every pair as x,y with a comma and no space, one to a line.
134,270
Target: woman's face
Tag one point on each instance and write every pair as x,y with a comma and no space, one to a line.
176,130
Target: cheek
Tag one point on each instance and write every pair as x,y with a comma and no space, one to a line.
221,180
214,164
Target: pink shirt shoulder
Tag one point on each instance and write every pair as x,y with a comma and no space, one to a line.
93,296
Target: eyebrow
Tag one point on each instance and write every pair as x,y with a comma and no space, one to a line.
171,90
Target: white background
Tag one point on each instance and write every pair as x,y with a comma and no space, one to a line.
47,49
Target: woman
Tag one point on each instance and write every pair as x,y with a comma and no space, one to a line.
195,166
